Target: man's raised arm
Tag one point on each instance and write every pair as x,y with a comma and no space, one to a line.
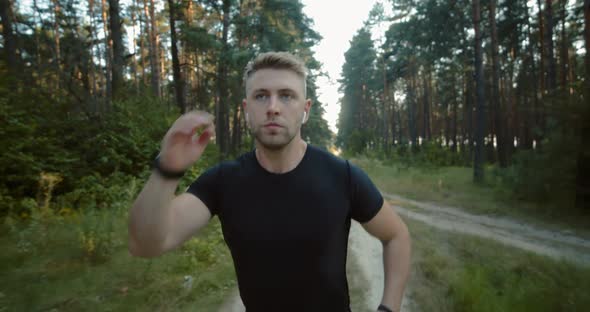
159,220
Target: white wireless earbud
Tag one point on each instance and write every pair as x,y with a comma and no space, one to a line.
304,115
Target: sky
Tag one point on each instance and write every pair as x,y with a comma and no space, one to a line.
337,22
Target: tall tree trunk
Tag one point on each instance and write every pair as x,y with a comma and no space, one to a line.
411,103
583,174
91,64
222,92
400,127
118,64
186,56
143,26
542,73
495,98
426,113
478,161
134,44
384,116
548,44
56,34
236,130
393,123
455,104
178,81
10,56
108,54
564,63
532,116
154,50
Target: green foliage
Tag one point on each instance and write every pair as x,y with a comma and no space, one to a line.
518,287
428,155
38,135
356,121
546,174
455,272
82,258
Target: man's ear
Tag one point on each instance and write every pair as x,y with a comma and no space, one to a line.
307,109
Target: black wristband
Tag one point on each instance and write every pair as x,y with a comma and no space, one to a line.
384,308
167,174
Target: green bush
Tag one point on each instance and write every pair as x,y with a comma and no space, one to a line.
543,175
39,136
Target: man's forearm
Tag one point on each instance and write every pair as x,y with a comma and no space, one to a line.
396,265
150,218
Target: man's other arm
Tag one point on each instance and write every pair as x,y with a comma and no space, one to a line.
393,233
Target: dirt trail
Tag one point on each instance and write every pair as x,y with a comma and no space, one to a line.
560,245
368,254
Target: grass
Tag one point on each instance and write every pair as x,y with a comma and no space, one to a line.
453,186
50,267
453,272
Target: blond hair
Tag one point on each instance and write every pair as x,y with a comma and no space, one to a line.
277,60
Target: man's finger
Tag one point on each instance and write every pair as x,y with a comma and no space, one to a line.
189,123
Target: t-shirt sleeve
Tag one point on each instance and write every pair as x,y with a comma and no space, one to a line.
206,188
366,200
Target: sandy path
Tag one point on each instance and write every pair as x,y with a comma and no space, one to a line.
368,254
560,245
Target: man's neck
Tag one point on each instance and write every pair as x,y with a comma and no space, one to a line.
282,160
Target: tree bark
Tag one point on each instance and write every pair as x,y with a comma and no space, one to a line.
143,25
583,174
411,103
222,92
384,115
548,44
532,116
478,161
455,104
56,34
10,56
426,112
154,49
394,123
564,63
495,99
118,64
134,43
542,72
178,81
108,54
91,64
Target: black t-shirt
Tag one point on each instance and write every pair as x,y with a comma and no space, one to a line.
288,233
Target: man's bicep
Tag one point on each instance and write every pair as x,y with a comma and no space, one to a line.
386,224
189,215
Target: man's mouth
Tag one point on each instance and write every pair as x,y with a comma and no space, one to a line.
272,125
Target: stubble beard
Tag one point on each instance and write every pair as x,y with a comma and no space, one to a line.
273,142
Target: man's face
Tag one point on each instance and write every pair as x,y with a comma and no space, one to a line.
275,104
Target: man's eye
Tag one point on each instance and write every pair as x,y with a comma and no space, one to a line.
260,97
286,97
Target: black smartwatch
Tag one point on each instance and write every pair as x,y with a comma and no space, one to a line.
163,172
384,308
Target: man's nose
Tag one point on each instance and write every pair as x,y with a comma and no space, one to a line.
273,108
